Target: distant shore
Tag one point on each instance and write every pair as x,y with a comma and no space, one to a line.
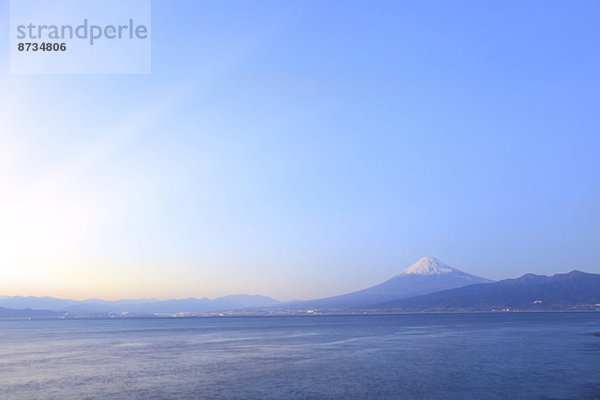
283,315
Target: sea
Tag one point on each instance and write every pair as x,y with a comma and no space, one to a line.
421,356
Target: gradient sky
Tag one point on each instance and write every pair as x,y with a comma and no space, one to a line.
300,149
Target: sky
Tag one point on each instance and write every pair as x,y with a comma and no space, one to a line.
301,149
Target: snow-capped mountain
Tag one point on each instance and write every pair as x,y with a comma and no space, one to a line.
428,275
431,266
427,266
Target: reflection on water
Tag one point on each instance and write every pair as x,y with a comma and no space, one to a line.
491,356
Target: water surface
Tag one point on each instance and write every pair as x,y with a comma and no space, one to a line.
460,356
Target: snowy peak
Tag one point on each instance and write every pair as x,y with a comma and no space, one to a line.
428,275
427,266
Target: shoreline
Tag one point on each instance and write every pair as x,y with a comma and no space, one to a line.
296,315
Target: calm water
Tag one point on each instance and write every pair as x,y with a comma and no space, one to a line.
485,356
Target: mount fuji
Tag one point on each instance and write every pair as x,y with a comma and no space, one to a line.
428,275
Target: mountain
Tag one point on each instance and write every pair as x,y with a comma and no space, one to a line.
47,303
529,292
27,313
427,275
139,307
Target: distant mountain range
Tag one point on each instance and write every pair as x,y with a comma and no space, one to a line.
529,292
137,307
27,313
429,285
427,275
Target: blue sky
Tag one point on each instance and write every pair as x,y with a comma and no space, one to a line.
307,148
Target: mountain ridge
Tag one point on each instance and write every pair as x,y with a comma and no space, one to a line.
422,287
8,313
137,306
528,292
